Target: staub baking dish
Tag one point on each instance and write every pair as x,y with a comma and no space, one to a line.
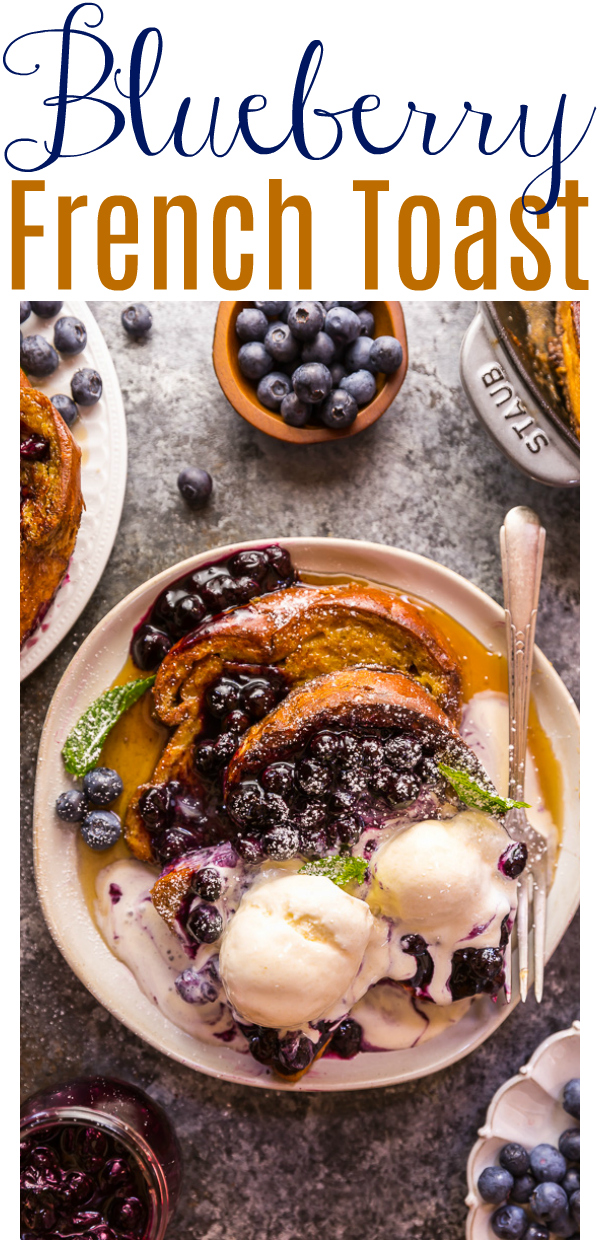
520,409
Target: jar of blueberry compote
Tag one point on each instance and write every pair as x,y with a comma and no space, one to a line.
99,1160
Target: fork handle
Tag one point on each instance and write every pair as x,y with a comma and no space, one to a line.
522,541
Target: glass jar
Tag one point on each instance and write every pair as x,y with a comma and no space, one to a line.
106,1137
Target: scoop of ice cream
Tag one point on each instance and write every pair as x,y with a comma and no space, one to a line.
292,950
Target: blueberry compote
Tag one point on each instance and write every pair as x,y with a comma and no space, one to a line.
205,593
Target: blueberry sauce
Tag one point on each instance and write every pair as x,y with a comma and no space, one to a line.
34,447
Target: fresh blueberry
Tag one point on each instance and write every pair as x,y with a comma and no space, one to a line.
361,385
495,1185
358,355
101,829
149,647
568,1144
563,1226
195,486
66,408
86,387
548,1201
70,336
367,323
523,1188
355,306
38,357
306,319
197,987
272,389
136,319
46,310
281,843
547,1164
386,355
574,1205
342,325
509,1221
570,1181
204,924
70,806
329,306
295,412
272,310
102,786
338,373
251,324
571,1098
536,1231
281,344
514,1158
312,382
339,410
207,883
346,1039
25,311
319,349
254,361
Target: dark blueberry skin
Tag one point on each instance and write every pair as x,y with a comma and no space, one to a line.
319,349
195,987
342,325
536,1231
338,373
66,408
413,944
280,560
346,1039
102,786
254,361
189,612
295,412
367,323
259,698
207,883
281,344
386,355
172,845
154,807
548,1202
279,778
403,753
339,410
476,971
136,319
574,1205
514,1158
272,310
513,862
46,310
361,385
150,646
313,777
509,1221
326,747
571,1098
305,319
223,697
495,1185
547,1164
311,382
358,355
568,1145
70,336
86,387
34,449
204,924
272,389
195,486
101,829
281,843
38,357
523,1188
249,564
570,1181
70,806
25,311
294,1055
251,324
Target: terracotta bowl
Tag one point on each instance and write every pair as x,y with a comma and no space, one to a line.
389,322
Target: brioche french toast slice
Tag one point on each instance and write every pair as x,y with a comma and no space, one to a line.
298,633
51,503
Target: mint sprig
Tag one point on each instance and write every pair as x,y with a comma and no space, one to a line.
342,869
471,793
83,746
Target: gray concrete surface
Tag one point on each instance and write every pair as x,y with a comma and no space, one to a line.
386,1164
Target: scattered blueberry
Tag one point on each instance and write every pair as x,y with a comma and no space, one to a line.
295,412
25,311
70,336
102,786
547,1164
254,361
339,410
281,843
548,1202
46,310
358,355
514,1158
66,408
306,319
195,486
568,1144
523,1188
280,343
272,389
386,355
367,323
571,1098
338,373
272,310
70,806
319,349
251,324
495,1184
361,385
101,829
509,1221
38,357
86,387
311,382
136,319
342,325
207,883
149,647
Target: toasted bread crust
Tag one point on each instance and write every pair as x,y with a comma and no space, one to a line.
51,512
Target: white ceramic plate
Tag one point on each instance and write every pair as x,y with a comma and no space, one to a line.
94,668
102,435
526,1109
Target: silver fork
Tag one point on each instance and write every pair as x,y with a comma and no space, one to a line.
522,541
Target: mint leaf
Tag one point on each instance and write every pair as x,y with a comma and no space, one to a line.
341,869
470,793
83,746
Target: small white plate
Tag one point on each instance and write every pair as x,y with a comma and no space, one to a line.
102,435
94,668
526,1109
